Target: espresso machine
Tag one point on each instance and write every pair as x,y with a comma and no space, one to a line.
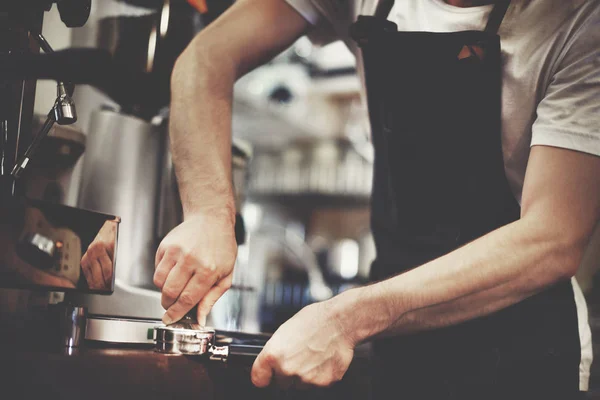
46,246
128,170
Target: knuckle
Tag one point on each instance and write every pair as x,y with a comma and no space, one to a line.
207,269
321,382
170,293
93,249
160,253
270,358
172,251
188,257
190,262
227,284
287,370
157,280
310,379
304,380
187,299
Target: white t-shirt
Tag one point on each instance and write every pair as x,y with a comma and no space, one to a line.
551,78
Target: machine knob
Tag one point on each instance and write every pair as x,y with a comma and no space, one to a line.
74,13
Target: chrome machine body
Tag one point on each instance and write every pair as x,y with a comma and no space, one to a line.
128,169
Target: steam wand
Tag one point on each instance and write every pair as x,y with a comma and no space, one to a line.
63,113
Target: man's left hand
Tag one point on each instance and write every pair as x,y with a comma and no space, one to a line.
310,349
97,263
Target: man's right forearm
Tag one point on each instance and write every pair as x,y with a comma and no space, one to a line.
250,33
200,130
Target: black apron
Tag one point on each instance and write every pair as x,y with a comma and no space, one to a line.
439,182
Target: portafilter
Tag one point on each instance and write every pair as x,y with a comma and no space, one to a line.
188,337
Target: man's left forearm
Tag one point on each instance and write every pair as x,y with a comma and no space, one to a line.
489,274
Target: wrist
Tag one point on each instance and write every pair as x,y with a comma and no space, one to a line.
361,313
226,212
207,195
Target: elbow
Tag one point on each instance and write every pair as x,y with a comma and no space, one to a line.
201,67
558,252
570,263
186,69
180,71
565,255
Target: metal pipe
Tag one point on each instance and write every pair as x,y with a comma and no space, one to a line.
26,157
44,45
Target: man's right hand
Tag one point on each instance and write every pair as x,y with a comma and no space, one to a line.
195,261
194,264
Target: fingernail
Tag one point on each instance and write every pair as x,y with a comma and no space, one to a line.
167,320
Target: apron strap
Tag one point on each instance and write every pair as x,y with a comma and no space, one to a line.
497,16
384,7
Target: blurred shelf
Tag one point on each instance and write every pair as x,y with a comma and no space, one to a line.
344,86
311,200
266,127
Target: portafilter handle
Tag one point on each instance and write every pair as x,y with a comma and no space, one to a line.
235,353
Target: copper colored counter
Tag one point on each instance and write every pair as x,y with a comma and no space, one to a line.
32,370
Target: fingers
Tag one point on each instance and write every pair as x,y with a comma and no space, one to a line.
111,242
106,265
196,289
168,259
286,365
176,281
97,263
85,268
93,273
159,255
214,294
97,269
267,370
262,371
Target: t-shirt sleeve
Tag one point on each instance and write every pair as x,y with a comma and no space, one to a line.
307,9
569,114
322,31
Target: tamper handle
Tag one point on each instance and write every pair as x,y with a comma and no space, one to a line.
192,315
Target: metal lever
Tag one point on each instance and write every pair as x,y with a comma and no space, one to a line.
63,113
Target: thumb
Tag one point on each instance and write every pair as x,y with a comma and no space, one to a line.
261,371
209,300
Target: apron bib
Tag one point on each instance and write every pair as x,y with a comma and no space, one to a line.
435,111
